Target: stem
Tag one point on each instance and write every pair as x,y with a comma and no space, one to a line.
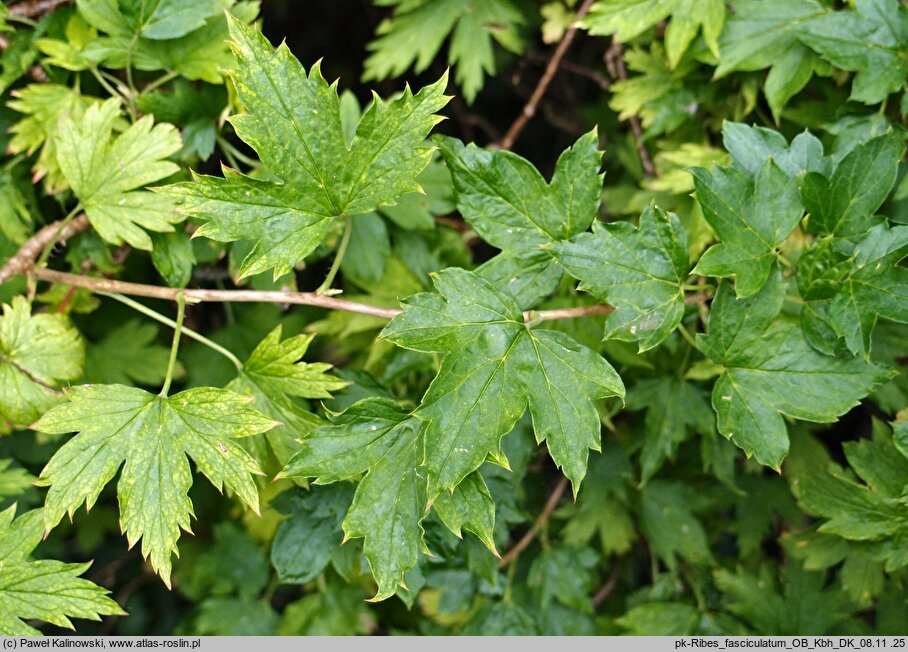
131,100
338,257
45,252
530,109
234,155
541,520
687,336
107,287
160,81
148,312
175,346
113,92
49,246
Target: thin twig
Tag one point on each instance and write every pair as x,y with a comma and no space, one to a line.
24,259
220,296
529,109
614,62
567,65
606,589
35,8
541,520
96,284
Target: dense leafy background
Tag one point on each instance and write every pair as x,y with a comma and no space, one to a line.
734,432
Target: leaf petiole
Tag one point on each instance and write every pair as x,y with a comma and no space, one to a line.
175,346
45,252
325,287
148,312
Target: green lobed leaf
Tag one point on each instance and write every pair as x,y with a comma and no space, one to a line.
843,204
37,353
751,217
106,173
376,437
564,574
13,480
127,354
493,368
306,542
674,408
46,590
759,32
469,507
627,19
750,147
871,512
153,436
639,271
771,370
322,176
869,40
414,34
510,205
856,289
275,377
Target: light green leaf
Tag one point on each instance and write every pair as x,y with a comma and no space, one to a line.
470,507
787,77
106,172
275,375
13,481
870,40
43,106
770,370
303,141
126,355
871,512
750,148
15,217
37,353
45,590
311,535
627,19
759,33
493,367
639,271
661,619
413,36
843,204
670,526
152,19
674,408
376,437
510,205
751,217
173,257
565,574
153,435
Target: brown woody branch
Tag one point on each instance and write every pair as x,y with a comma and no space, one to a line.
614,62
35,8
529,110
538,524
24,259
